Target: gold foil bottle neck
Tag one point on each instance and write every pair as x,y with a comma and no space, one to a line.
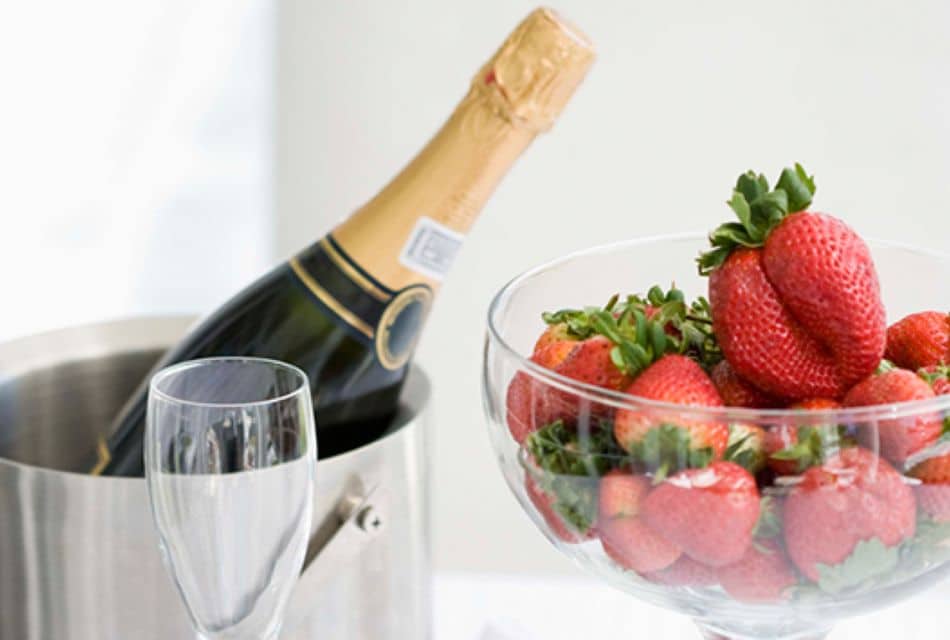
536,71
407,234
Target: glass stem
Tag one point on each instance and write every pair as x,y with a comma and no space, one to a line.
710,633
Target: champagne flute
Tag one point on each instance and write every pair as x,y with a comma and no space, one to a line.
229,458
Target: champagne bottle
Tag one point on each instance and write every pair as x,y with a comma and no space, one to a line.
348,309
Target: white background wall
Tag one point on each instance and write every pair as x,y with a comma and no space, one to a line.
135,143
685,95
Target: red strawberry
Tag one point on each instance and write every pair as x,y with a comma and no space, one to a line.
816,404
685,572
933,495
764,574
519,407
920,340
760,337
737,392
799,313
659,438
938,376
854,497
900,437
532,404
623,534
547,505
792,448
621,494
558,332
526,400
590,362
710,513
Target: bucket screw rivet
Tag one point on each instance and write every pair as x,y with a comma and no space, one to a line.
369,520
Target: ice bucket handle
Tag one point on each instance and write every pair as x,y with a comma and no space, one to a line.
358,523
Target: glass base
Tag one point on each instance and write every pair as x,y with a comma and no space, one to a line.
759,631
227,636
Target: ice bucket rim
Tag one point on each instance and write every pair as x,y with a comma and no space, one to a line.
21,355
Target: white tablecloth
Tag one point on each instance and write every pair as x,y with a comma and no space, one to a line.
500,607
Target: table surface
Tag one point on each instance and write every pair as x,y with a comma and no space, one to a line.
505,607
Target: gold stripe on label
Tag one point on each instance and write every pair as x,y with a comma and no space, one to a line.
334,305
103,455
362,281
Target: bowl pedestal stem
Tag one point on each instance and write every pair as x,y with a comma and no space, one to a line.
712,631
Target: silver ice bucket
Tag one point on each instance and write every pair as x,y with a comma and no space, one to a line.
78,554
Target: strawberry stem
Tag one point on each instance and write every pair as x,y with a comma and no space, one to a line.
759,211
645,328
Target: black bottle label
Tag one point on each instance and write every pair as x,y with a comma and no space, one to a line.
385,320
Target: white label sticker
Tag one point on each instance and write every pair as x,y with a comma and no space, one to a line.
431,248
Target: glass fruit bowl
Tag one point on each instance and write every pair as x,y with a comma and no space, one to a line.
748,544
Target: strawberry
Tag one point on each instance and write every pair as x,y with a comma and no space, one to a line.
526,400
532,403
555,333
933,494
920,340
561,450
900,437
737,392
685,572
710,513
621,494
644,328
568,524
763,574
816,404
792,448
661,440
606,348
795,298
590,362
565,466
853,498
938,376
623,534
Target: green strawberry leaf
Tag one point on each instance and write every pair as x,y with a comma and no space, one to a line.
870,560
578,321
560,450
668,448
744,449
740,204
575,499
884,366
772,208
712,260
656,296
752,186
758,210
930,377
639,340
815,445
798,186
806,453
569,464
